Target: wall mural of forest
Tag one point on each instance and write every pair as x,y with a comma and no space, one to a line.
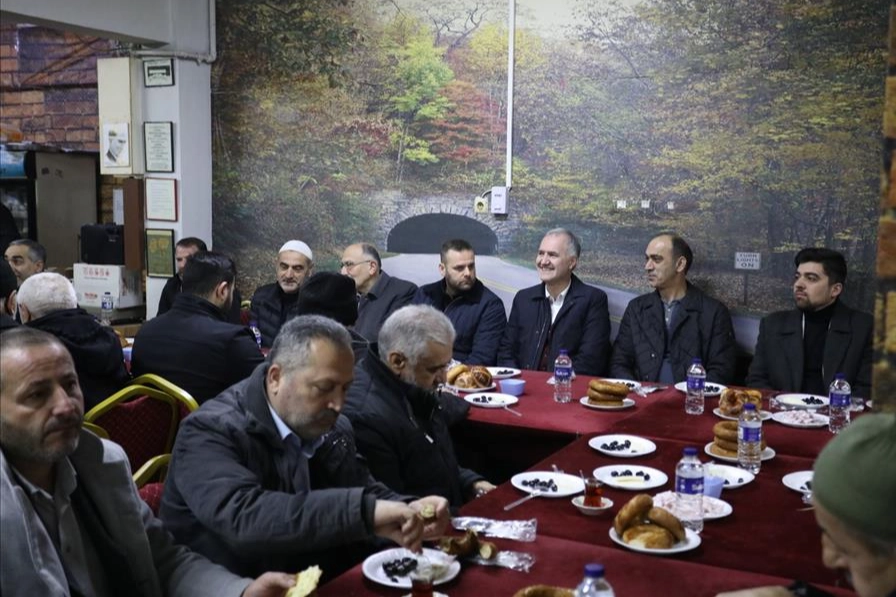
745,125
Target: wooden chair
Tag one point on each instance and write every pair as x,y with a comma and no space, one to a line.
150,481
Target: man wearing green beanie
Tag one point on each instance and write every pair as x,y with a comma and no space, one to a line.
854,490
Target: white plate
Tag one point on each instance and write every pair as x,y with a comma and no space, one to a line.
710,388
496,400
735,477
801,418
626,403
796,400
639,446
373,566
566,484
503,372
763,415
631,481
470,390
767,454
691,541
632,385
797,481
713,508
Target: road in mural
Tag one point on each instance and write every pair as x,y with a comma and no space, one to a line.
746,126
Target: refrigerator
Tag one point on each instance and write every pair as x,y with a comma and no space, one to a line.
50,194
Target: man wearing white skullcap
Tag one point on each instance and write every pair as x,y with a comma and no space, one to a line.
274,304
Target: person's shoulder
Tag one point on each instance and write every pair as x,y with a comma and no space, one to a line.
577,286
265,291
397,284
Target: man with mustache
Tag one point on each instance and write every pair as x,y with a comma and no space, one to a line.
662,332
561,312
274,304
801,350
395,410
73,523
266,475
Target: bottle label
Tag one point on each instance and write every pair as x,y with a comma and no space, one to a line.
839,399
695,383
106,302
749,434
562,373
688,485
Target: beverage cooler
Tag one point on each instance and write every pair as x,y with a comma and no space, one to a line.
50,194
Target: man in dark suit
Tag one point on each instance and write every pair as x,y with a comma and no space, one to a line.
379,294
561,312
184,248
802,349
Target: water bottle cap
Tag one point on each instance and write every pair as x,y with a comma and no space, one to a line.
564,351
749,406
695,361
690,451
594,570
839,376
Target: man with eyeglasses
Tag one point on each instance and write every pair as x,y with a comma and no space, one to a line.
395,410
379,294
275,304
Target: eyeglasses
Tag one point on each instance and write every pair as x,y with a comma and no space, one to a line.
351,264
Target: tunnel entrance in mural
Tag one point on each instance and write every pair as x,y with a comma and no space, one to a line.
426,233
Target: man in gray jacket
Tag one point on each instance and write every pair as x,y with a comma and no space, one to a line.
663,331
72,521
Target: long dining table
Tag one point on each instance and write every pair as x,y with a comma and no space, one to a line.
770,537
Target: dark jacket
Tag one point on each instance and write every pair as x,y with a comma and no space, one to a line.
172,289
702,329
7,322
402,432
387,295
478,317
269,311
778,362
95,349
233,493
192,346
582,327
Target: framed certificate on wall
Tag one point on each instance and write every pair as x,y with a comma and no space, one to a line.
161,199
158,144
159,253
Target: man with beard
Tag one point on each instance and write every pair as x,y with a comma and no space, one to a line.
560,313
802,349
193,345
662,332
274,304
73,523
395,411
475,311
267,476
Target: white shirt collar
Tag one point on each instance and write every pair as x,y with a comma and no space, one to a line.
285,432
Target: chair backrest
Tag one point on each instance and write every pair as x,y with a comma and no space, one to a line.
188,403
142,420
96,429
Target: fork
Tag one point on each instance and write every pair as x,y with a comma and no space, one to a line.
513,505
511,411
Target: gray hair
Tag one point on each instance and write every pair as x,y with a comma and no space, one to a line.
292,346
573,247
46,293
409,330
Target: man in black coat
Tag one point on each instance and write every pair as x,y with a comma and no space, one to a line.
802,349
560,313
193,345
47,301
274,304
662,332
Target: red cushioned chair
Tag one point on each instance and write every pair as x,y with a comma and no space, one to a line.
187,403
150,481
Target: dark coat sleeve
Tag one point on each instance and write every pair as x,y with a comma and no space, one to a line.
623,360
510,341
758,376
488,334
720,353
593,352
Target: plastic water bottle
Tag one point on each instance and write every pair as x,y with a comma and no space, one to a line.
253,325
563,377
106,306
594,584
749,439
693,402
689,490
840,403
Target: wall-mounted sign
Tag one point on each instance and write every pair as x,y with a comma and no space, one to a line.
116,144
159,146
750,261
158,72
161,199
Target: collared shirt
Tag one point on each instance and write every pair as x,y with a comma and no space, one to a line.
556,303
74,548
304,450
669,310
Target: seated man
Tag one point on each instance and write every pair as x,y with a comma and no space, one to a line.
192,345
561,312
184,248
662,332
852,490
379,294
802,349
266,475
475,311
26,257
393,407
73,523
48,302
333,295
275,304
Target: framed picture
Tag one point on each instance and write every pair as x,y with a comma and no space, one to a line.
161,199
158,72
159,253
116,144
158,141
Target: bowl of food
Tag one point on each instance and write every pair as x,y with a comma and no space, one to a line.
579,503
514,387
